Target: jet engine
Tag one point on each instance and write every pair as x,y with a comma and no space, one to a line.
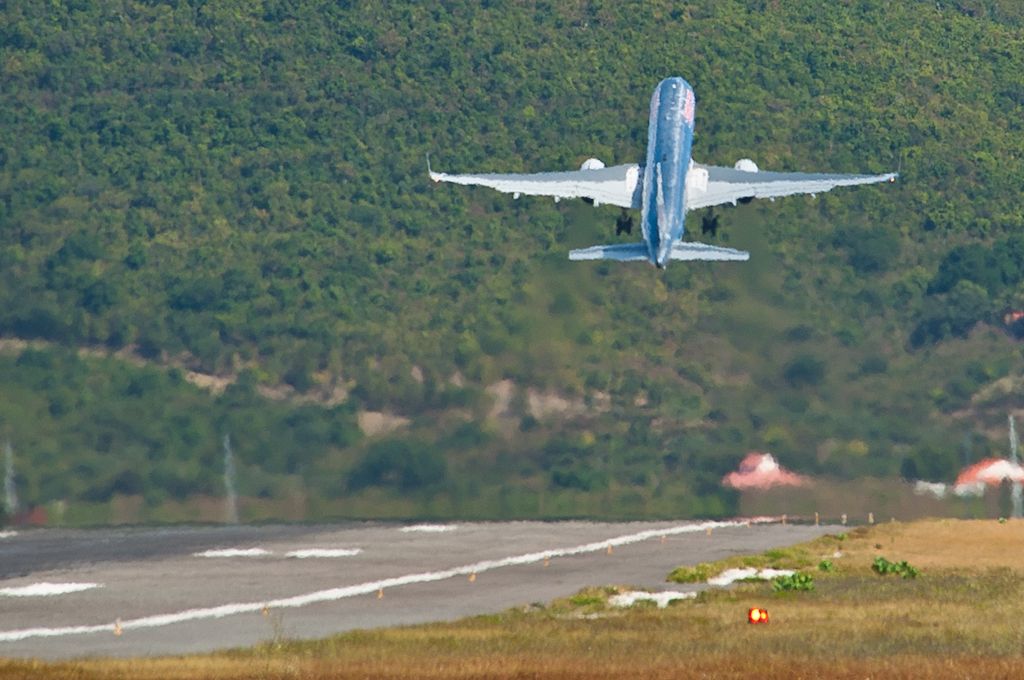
746,165
592,164
696,180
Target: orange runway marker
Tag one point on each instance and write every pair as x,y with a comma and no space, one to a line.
757,615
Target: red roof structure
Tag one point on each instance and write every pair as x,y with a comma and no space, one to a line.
762,471
1012,317
989,472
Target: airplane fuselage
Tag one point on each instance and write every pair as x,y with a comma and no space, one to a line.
667,185
669,143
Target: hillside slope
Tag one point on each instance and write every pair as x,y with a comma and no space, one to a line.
239,189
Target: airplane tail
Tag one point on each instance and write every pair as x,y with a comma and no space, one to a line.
691,250
623,252
683,250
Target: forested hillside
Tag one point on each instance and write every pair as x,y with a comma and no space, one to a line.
234,194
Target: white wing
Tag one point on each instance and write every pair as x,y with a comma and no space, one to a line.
728,185
618,185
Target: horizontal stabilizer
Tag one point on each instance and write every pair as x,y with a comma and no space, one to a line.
690,250
624,252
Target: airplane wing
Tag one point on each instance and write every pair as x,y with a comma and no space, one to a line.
728,185
618,185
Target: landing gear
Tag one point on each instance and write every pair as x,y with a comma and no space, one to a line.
624,225
709,224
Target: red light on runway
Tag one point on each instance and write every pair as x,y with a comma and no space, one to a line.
757,615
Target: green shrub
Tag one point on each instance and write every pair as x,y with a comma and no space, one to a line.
593,597
883,567
804,371
697,574
586,599
795,581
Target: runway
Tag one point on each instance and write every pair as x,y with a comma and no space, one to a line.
161,591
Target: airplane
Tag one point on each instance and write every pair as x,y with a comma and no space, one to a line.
665,188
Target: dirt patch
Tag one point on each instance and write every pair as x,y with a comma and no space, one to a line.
544,404
15,346
601,401
1005,386
377,422
332,391
126,509
211,383
502,393
275,392
328,396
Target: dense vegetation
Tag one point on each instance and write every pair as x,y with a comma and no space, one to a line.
239,189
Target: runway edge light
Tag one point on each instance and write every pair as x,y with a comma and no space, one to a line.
757,615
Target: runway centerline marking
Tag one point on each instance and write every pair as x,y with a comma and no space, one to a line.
340,593
429,528
307,553
233,552
46,589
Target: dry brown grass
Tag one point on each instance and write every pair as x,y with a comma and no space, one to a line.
560,668
959,619
944,543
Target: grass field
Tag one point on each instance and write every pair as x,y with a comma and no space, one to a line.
962,617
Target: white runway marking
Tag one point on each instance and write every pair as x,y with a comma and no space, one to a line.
334,594
47,589
429,528
732,575
234,552
324,552
661,599
261,552
8,534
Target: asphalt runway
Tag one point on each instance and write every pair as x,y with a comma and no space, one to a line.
161,591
